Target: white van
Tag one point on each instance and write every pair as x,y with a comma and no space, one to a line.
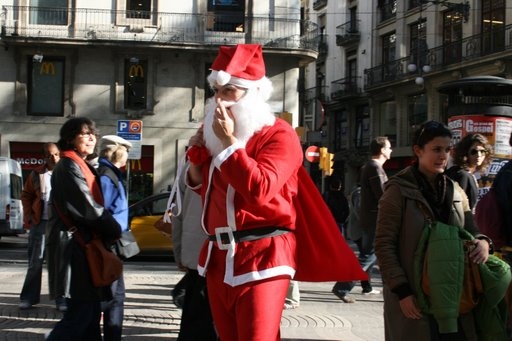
11,185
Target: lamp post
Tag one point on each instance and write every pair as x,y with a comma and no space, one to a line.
417,64
421,50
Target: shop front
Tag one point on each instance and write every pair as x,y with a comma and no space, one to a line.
140,173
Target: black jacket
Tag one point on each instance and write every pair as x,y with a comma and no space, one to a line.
72,196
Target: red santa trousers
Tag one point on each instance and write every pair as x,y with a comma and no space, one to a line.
247,312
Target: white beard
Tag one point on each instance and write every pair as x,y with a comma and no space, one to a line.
250,114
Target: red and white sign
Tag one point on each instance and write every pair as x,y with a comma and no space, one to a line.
313,154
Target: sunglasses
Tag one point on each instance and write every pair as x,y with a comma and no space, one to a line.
431,125
477,151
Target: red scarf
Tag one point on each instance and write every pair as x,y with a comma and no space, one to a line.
90,177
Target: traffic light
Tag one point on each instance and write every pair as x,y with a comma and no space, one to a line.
330,164
326,161
323,158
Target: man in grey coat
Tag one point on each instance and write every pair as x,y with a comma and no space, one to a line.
188,238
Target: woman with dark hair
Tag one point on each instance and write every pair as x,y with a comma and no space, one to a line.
415,195
472,154
77,200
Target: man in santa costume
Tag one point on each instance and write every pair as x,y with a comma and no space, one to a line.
266,221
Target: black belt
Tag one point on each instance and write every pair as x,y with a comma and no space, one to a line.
250,234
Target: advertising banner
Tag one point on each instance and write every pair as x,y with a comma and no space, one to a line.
497,130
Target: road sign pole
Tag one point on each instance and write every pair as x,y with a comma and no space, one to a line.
322,187
128,166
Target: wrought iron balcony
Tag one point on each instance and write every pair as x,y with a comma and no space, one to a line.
317,93
348,33
323,48
319,4
467,49
80,25
345,88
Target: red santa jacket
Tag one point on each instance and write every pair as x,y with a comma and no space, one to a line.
263,184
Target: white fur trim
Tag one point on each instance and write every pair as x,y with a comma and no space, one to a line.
213,78
258,275
223,77
226,153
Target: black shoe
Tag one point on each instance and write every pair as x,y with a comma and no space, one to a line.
25,305
345,298
62,307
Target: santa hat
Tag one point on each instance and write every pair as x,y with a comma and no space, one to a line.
240,65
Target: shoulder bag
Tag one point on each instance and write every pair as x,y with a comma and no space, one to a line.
127,246
104,266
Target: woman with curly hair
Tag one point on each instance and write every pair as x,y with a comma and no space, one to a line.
472,154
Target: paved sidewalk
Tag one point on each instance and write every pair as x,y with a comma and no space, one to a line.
151,315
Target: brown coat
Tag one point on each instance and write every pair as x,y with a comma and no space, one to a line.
31,197
399,225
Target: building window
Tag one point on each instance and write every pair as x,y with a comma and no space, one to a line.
415,3
135,87
353,20
226,15
48,12
45,86
387,9
493,26
362,127
351,73
388,120
138,9
417,109
341,130
388,56
452,37
418,43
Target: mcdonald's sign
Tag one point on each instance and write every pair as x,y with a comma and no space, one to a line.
134,164
47,68
135,70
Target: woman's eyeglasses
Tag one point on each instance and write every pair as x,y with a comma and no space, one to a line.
87,135
478,151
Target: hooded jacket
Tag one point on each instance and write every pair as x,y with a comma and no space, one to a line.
400,225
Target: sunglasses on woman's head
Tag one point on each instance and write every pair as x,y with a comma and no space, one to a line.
428,126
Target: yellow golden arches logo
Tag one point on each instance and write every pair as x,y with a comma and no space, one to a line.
47,68
135,70
134,164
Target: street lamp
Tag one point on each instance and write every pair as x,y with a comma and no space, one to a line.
421,49
419,53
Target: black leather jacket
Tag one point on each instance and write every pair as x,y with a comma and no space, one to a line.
72,196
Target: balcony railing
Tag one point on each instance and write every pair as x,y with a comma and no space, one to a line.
323,48
467,49
81,24
348,33
319,4
345,87
316,93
